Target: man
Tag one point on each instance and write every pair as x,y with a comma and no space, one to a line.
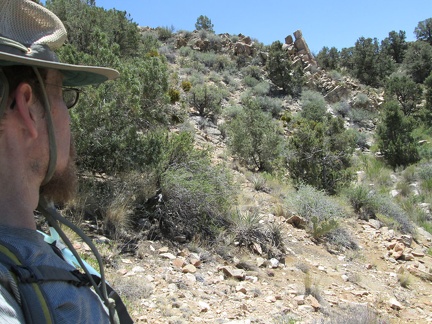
37,168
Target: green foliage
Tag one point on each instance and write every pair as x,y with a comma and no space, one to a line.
270,105
405,91
418,60
165,33
395,45
186,85
247,228
371,65
346,58
328,58
82,21
321,228
197,199
362,200
390,209
423,31
279,67
313,106
108,138
427,109
394,137
319,210
254,137
174,95
204,23
206,99
319,153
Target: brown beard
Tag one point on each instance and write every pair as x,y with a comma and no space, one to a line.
63,185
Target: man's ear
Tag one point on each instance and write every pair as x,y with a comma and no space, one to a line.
25,106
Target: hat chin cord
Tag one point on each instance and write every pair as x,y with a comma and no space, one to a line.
53,217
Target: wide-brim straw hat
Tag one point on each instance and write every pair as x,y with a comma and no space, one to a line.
29,35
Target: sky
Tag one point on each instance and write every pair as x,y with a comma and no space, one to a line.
331,23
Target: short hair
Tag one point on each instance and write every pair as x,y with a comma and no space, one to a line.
22,73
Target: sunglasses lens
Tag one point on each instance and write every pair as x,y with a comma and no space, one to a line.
70,97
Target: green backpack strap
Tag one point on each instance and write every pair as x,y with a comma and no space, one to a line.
33,301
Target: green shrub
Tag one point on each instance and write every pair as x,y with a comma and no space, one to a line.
341,239
362,117
361,101
418,60
165,33
405,91
185,51
186,85
319,153
204,23
206,99
280,69
250,81
197,200
392,210
342,108
362,199
270,105
319,210
313,106
254,137
394,137
108,139
261,89
174,95
253,71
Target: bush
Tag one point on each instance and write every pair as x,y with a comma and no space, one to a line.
254,137
361,100
204,23
186,85
405,91
319,210
394,137
391,210
250,81
165,33
174,95
342,108
279,67
362,199
418,60
205,196
206,99
108,138
319,154
313,106
270,105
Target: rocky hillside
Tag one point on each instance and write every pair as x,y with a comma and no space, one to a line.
386,278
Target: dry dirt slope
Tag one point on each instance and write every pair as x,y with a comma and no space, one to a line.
164,283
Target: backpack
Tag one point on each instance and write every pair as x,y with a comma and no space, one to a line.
28,293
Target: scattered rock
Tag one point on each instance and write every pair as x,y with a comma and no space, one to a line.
395,304
233,272
189,268
312,301
204,307
168,256
297,221
274,263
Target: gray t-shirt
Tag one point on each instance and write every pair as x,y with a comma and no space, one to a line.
71,304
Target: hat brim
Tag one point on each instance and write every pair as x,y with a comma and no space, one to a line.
74,75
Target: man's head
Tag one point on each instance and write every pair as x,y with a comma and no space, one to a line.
29,69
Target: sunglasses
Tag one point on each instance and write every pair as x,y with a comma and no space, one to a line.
70,96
